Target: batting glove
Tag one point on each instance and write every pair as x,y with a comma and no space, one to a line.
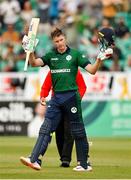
28,44
105,54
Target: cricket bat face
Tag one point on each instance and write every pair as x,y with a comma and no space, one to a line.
32,32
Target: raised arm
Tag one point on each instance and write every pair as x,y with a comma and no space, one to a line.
106,38
92,68
32,59
35,61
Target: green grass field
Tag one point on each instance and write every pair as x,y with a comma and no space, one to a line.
110,158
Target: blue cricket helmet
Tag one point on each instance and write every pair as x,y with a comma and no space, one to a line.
106,37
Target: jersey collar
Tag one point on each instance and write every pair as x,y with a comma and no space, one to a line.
67,50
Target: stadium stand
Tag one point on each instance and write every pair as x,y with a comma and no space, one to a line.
80,20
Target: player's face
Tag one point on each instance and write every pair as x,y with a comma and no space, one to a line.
60,43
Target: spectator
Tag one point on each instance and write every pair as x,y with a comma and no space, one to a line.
10,10
95,9
109,9
81,18
9,58
116,65
70,6
121,28
27,12
54,11
43,11
10,35
124,43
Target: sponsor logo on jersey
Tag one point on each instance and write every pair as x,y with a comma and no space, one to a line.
68,58
54,59
60,71
73,109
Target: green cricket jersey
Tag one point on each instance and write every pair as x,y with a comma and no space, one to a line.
64,68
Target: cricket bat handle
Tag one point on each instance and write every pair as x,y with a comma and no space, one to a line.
27,60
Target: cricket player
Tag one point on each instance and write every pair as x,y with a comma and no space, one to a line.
63,62
63,136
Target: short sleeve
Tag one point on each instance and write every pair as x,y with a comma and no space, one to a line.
46,59
82,60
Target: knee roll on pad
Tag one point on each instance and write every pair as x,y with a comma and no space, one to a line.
45,127
78,130
46,141
78,133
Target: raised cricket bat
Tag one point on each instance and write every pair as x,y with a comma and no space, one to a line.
32,35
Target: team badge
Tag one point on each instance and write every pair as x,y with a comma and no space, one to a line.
83,56
68,58
73,109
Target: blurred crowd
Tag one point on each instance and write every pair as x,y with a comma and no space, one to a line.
79,19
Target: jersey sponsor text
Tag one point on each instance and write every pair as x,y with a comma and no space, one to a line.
60,71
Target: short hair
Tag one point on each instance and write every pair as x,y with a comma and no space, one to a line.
56,33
